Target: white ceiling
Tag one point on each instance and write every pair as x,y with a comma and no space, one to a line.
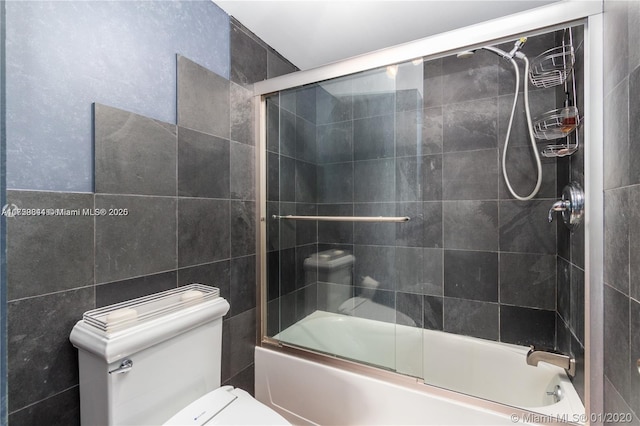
311,33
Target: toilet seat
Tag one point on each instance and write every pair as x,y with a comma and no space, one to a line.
226,406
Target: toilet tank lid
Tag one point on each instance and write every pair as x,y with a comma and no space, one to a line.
122,315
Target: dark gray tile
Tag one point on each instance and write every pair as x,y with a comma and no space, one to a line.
335,183
142,242
433,83
287,311
616,238
287,99
62,409
241,115
373,137
273,123
540,101
248,57
242,340
410,269
287,133
119,291
523,174
243,171
133,154
469,126
376,262
470,175
615,403
374,233
203,99
203,165
203,231
471,318
48,253
334,108
578,247
524,227
244,380
472,78
42,360
225,367
277,65
471,275
409,309
563,336
306,103
563,292
273,177
634,346
273,226
432,316
306,231
577,351
432,221
432,130
528,280
332,296
616,32
243,228
633,15
216,274
306,185
634,126
526,326
470,225
616,339
419,178
577,303
306,144
411,233
374,181
335,142
616,132
409,128
335,232
287,179
286,269
242,285
380,308
372,104
408,99
287,228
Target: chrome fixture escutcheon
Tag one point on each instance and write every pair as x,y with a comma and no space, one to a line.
571,205
125,366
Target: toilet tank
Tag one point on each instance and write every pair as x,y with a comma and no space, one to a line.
143,360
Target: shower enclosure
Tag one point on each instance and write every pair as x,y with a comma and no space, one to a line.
385,212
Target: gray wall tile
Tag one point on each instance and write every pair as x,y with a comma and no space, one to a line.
243,171
374,137
432,316
48,253
335,142
142,242
203,231
38,335
242,330
241,115
243,228
527,326
374,180
471,318
528,280
470,225
62,409
471,175
470,126
277,65
471,275
524,227
203,99
616,239
248,57
376,262
472,78
216,274
119,291
335,183
616,33
616,133
242,285
133,154
203,165
616,339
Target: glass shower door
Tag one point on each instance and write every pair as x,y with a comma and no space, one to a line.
345,211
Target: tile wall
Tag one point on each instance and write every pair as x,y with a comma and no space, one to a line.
189,193
621,201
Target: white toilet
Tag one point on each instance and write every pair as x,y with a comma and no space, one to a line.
157,360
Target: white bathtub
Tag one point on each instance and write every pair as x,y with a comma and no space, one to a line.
483,369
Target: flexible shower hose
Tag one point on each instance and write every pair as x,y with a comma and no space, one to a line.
530,128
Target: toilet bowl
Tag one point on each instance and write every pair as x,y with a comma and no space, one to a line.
157,360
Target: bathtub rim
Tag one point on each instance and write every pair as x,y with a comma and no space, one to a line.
403,380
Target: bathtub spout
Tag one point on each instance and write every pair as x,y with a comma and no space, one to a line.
534,356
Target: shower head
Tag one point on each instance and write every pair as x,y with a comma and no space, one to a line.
466,54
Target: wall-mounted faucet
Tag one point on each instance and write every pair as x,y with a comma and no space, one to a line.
534,356
571,206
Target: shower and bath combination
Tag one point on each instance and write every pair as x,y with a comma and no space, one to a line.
516,53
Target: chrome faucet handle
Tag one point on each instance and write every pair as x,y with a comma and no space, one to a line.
559,206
